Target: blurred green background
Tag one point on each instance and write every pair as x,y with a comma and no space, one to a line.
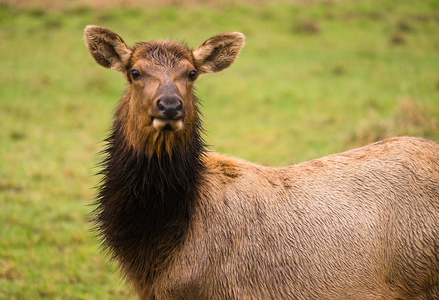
315,78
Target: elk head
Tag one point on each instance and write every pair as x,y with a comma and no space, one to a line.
159,111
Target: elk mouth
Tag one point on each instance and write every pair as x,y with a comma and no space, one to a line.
162,124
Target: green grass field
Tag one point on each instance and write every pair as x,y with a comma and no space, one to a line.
312,80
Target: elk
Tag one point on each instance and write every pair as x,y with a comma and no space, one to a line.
184,222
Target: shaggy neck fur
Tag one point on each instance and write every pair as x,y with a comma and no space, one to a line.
145,201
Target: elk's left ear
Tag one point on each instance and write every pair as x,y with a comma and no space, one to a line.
107,48
218,52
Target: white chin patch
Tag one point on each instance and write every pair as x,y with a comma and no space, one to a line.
170,125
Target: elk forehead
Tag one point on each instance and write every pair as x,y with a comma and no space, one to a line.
163,60
162,53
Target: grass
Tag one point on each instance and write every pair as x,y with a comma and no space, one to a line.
312,80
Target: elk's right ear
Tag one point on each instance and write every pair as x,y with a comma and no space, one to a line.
107,48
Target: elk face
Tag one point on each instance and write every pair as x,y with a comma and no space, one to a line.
162,76
159,107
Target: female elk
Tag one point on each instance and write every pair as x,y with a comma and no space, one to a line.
186,223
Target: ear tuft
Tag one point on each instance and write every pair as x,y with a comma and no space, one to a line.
107,48
218,52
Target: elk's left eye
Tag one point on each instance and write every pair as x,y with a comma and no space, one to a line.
135,73
192,75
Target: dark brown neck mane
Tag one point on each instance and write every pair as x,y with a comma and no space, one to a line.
144,202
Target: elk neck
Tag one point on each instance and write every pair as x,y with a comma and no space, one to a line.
146,199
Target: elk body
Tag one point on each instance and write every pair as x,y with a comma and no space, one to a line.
187,223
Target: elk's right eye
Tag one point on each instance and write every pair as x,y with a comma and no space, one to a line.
135,73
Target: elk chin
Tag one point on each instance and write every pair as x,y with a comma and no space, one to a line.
167,125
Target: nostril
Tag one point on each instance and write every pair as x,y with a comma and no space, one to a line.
160,106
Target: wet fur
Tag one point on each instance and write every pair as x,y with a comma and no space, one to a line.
186,223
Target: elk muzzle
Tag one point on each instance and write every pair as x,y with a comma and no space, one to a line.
168,113
170,107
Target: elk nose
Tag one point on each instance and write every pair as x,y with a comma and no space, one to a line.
170,107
